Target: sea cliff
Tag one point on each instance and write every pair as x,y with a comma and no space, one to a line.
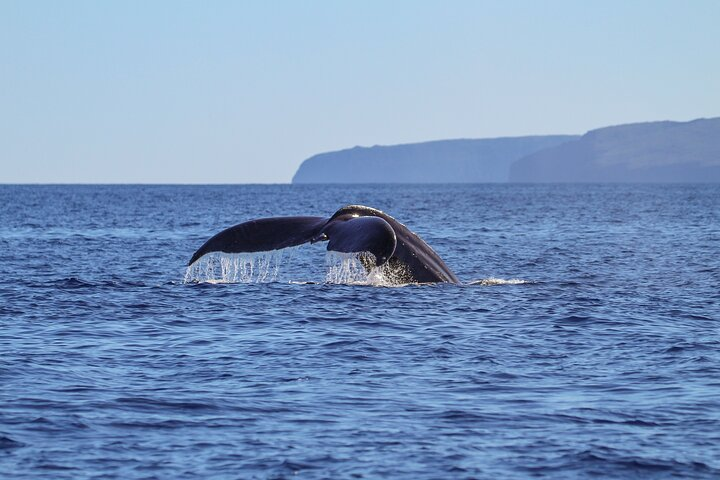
641,152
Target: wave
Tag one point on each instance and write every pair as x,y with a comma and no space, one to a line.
615,463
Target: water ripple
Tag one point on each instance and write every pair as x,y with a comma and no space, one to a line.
588,347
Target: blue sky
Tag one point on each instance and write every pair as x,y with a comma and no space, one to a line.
242,91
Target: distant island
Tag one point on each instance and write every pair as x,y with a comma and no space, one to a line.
443,161
641,152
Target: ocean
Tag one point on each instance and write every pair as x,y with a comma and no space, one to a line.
584,339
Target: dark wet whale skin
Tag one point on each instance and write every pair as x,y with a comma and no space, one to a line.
423,263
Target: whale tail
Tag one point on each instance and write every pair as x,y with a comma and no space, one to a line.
346,235
352,229
262,235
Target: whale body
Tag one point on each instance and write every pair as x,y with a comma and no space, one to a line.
352,229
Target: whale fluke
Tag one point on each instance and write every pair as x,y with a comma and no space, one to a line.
352,229
263,235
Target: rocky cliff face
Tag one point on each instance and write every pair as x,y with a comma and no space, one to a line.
445,161
642,152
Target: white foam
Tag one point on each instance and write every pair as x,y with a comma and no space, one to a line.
499,281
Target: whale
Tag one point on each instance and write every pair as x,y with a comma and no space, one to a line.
377,238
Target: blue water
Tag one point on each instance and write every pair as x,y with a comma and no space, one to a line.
584,340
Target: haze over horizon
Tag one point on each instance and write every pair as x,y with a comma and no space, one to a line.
230,92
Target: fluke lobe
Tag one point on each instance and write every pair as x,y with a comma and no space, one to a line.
352,229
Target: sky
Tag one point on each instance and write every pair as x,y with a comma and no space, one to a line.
218,91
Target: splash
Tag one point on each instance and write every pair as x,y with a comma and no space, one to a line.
345,268
264,267
360,269
499,281
258,267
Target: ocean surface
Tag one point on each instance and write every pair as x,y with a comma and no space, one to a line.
583,342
